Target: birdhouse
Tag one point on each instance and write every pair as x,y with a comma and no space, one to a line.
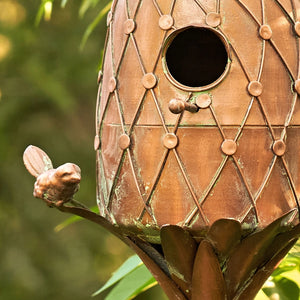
197,142
198,114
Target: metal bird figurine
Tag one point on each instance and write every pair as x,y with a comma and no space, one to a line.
54,186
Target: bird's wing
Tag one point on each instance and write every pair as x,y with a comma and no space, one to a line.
36,161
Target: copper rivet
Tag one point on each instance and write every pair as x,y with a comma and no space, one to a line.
213,19
108,18
170,140
124,141
176,106
255,88
99,76
149,81
96,142
112,84
203,101
265,32
166,22
297,28
229,147
129,26
297,86
279,147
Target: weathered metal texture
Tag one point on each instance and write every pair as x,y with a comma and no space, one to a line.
233,157
201,155
54,186
226,263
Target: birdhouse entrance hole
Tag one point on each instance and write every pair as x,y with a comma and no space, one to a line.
196,58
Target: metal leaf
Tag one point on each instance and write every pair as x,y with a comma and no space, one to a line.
152,262
36,161
179,250
263,274
208,282
250,253
224,235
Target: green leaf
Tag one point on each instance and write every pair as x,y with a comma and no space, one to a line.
285,288
63,3
261,296
127,267
72,220
133,284
283,269
85,5
45,9
66,223
95,22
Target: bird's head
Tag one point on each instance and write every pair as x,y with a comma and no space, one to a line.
69,172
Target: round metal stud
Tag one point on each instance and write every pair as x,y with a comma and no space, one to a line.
176,106
149,81
124,141
99,77
203,101
96,142
297,86
166,22
297,28
229,147
170,140
129,26
213,19
112,84
255,88
279,147
109,18
265,32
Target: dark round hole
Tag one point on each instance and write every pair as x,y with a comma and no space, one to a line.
196,57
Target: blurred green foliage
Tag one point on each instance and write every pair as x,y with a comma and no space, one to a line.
47,98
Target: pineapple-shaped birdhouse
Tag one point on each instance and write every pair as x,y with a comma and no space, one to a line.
198,141
198,114
198,136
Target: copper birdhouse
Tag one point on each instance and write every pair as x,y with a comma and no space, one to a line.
198,114
198,139
197,126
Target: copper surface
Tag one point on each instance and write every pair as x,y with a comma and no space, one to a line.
297,28
112,84
124,141
54,186
213,19
109,18
203,101
216,168
166,22
96,142
297,86
279,147
255,88
99,77
228,150
149,81
208,200
170,140
129,26
265,32
178,106
229,147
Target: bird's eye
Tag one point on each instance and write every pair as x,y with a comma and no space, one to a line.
66,174
196,58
